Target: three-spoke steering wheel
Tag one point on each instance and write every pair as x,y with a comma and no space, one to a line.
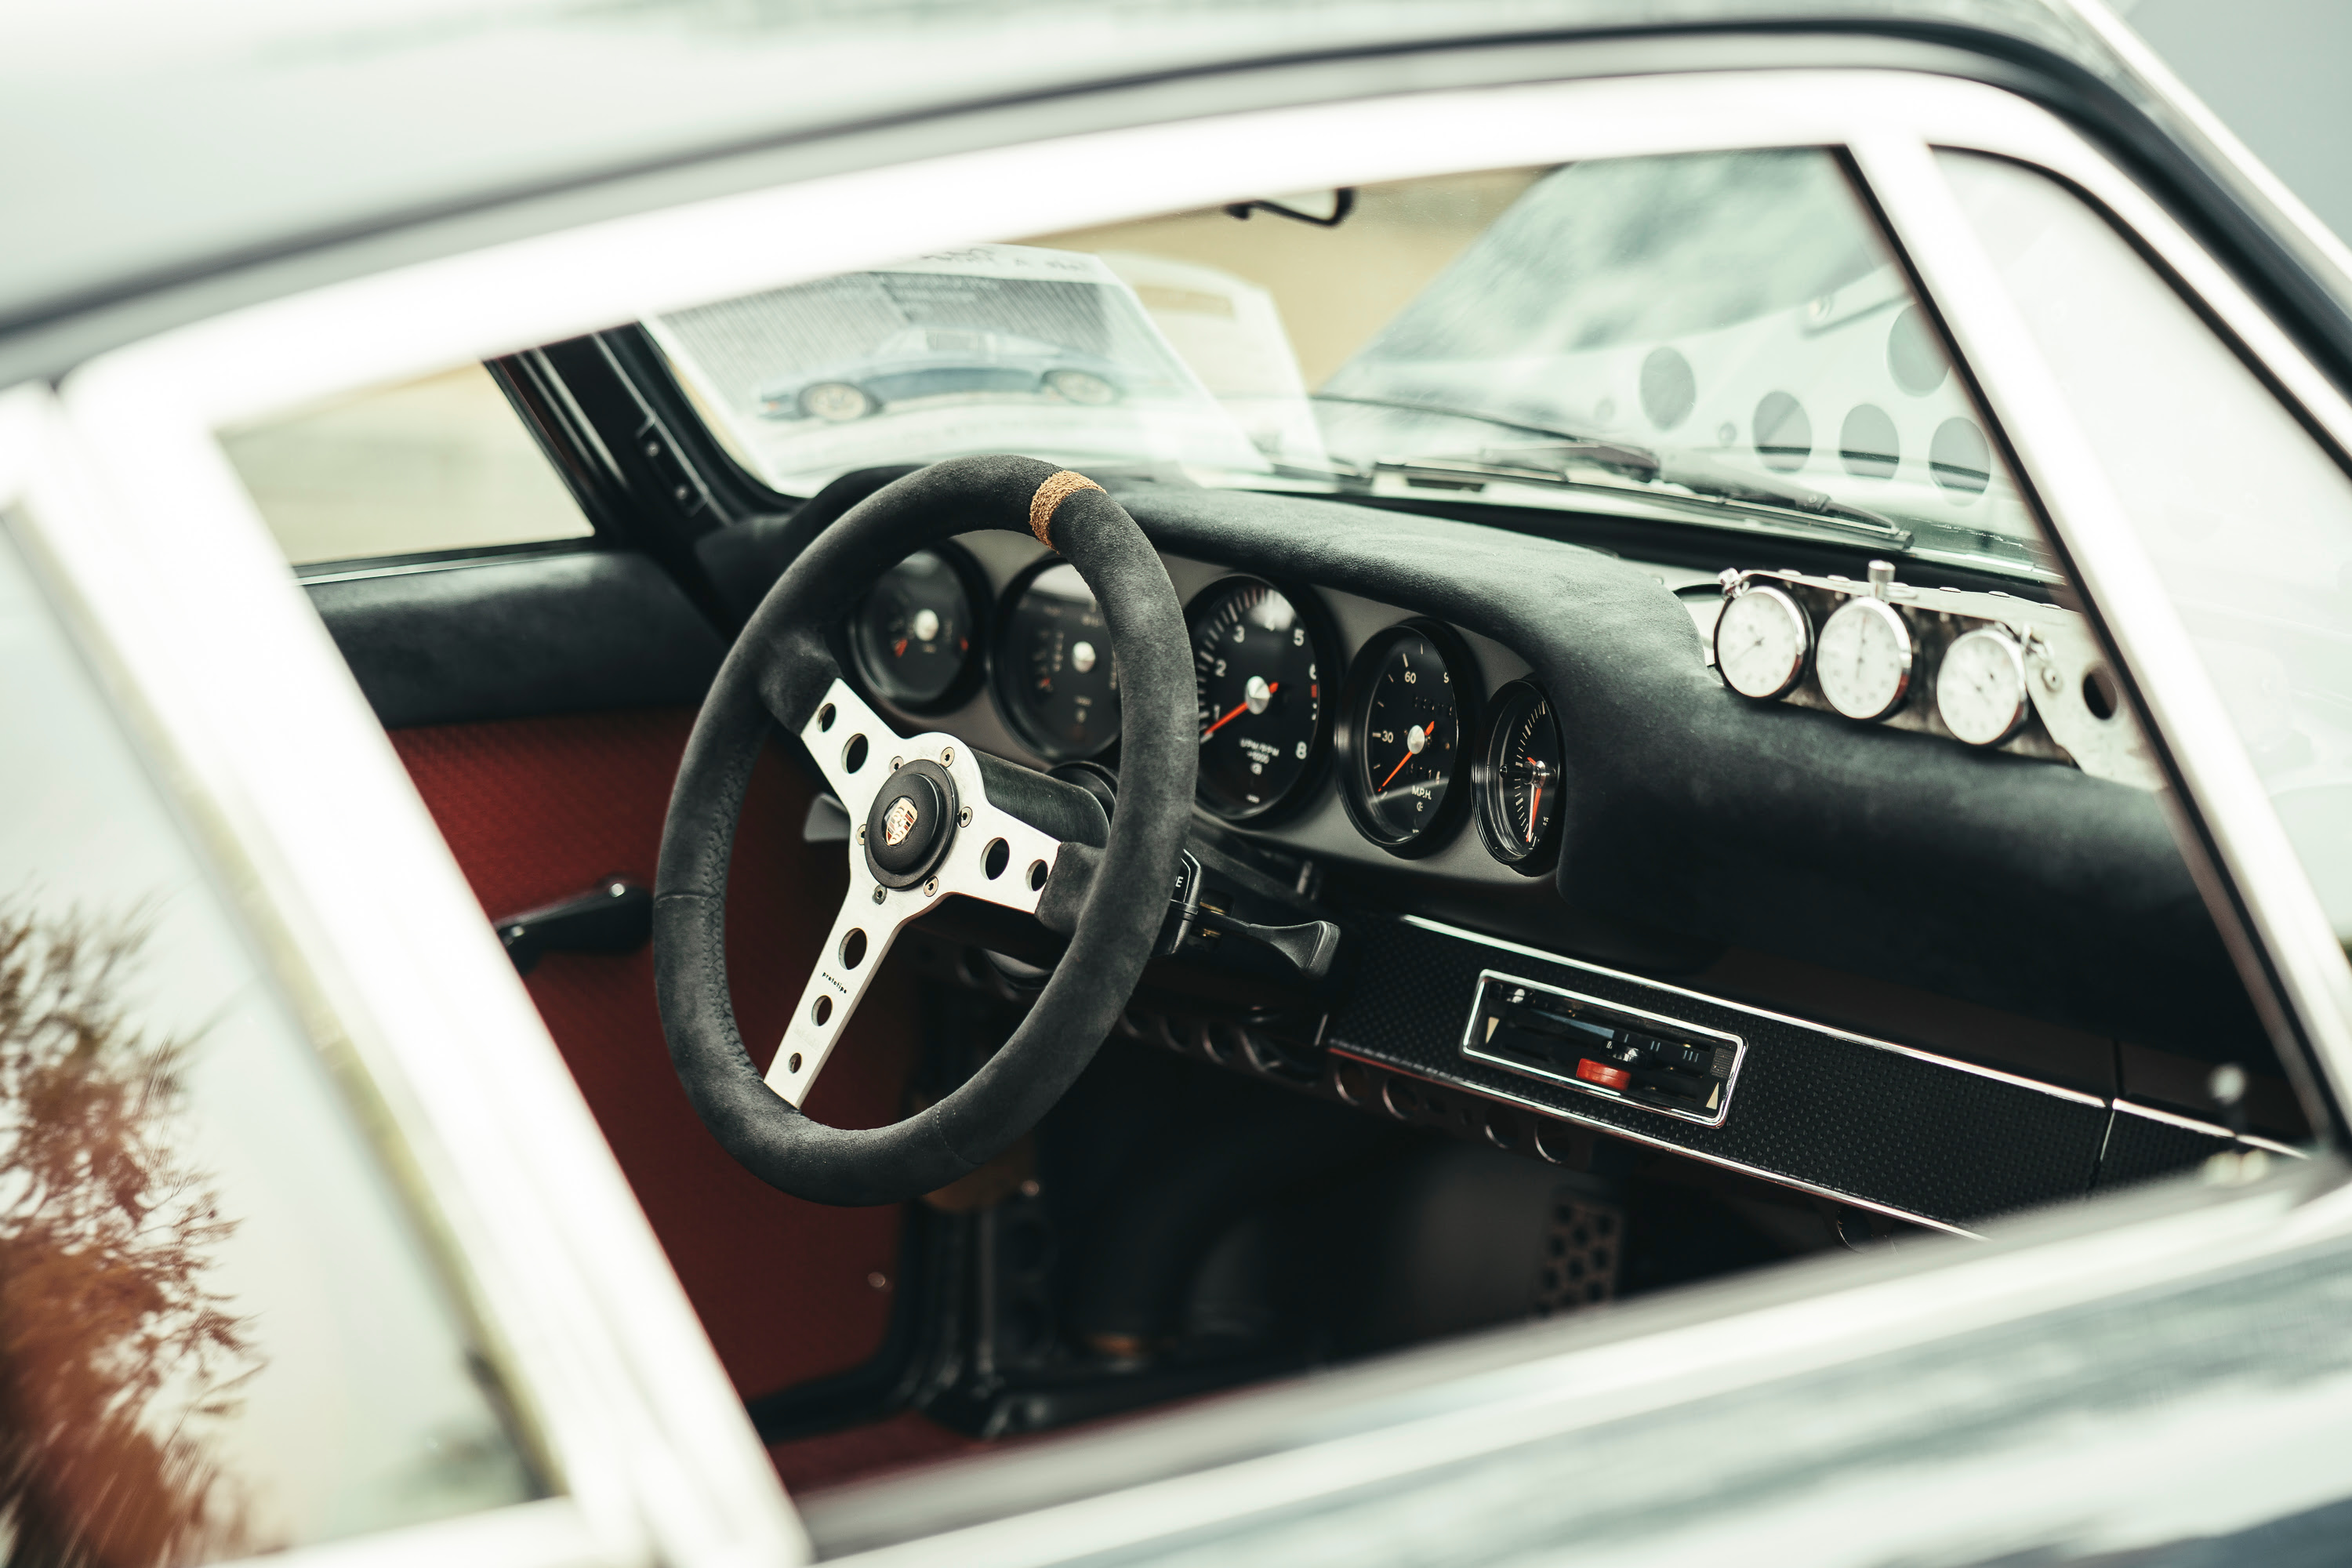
933,818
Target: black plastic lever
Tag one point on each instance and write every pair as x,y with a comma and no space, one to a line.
615,916
1310,947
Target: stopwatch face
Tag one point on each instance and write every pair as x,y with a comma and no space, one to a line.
1863,662
1761,639
1980,688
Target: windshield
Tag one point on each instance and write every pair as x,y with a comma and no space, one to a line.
1724,338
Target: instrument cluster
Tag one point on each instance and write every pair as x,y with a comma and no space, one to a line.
1404,730
1987,669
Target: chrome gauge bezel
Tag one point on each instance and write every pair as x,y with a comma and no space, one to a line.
2013,664
980,603
1003,672
1348,739
1323,637
1795,614
1904,641
1527,860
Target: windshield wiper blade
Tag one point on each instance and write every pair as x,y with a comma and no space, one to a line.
1694,482
1633,457
1547,462
1706,476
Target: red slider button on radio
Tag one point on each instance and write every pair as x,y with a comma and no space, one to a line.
1603,1074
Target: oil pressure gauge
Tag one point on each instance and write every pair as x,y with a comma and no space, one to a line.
1864,660
1980,688
1761,639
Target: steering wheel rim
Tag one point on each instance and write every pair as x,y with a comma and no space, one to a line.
1111,900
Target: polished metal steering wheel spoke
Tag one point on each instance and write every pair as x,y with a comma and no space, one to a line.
990,853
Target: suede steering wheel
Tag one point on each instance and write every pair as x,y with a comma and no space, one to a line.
936,818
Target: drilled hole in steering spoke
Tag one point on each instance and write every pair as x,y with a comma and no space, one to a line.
1036,876
853,755
995,858
825,716
795,1064
822,1012
853,949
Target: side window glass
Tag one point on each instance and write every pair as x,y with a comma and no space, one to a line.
438,464
2248,520
219,1334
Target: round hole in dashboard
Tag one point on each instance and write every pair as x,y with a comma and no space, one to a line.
1563,1144
1352,1083
2099,694
1502,1128
1400,1099
1221,1043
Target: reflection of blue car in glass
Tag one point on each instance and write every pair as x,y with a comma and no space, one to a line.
931,362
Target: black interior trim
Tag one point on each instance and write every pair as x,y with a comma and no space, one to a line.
512,637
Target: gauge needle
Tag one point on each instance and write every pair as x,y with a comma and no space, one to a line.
1271,688
1535,804
1415,739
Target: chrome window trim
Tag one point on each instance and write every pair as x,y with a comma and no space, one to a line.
2189,723
184,584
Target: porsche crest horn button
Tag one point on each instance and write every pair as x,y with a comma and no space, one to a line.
910,824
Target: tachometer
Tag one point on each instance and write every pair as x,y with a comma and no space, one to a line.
1521,770
1257,670
1405,736
1056,683
915,638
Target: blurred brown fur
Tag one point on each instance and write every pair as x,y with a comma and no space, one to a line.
115,1355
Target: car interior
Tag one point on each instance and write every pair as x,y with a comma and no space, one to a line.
1661,810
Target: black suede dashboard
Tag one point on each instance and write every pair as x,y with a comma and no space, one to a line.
2016,883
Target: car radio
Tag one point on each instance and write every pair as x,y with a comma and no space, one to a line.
1602,1048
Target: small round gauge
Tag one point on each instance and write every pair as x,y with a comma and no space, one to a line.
1521,770
1761,639
1056,683
1863,660
915,638
1980,686
1257,671
1405,737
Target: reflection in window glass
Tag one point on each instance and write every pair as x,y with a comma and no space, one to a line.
2247,519
441,463
220,1334
1720,337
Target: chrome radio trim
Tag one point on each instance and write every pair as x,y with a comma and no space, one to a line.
1472,1047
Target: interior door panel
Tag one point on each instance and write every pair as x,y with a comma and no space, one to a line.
508,638
541,705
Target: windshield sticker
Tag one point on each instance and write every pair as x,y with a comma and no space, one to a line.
988,347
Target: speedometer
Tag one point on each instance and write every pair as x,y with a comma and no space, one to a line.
1257,673
1405,736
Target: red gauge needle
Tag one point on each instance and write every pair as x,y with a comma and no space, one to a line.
898,649
1271,688
1394,771
1534,806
